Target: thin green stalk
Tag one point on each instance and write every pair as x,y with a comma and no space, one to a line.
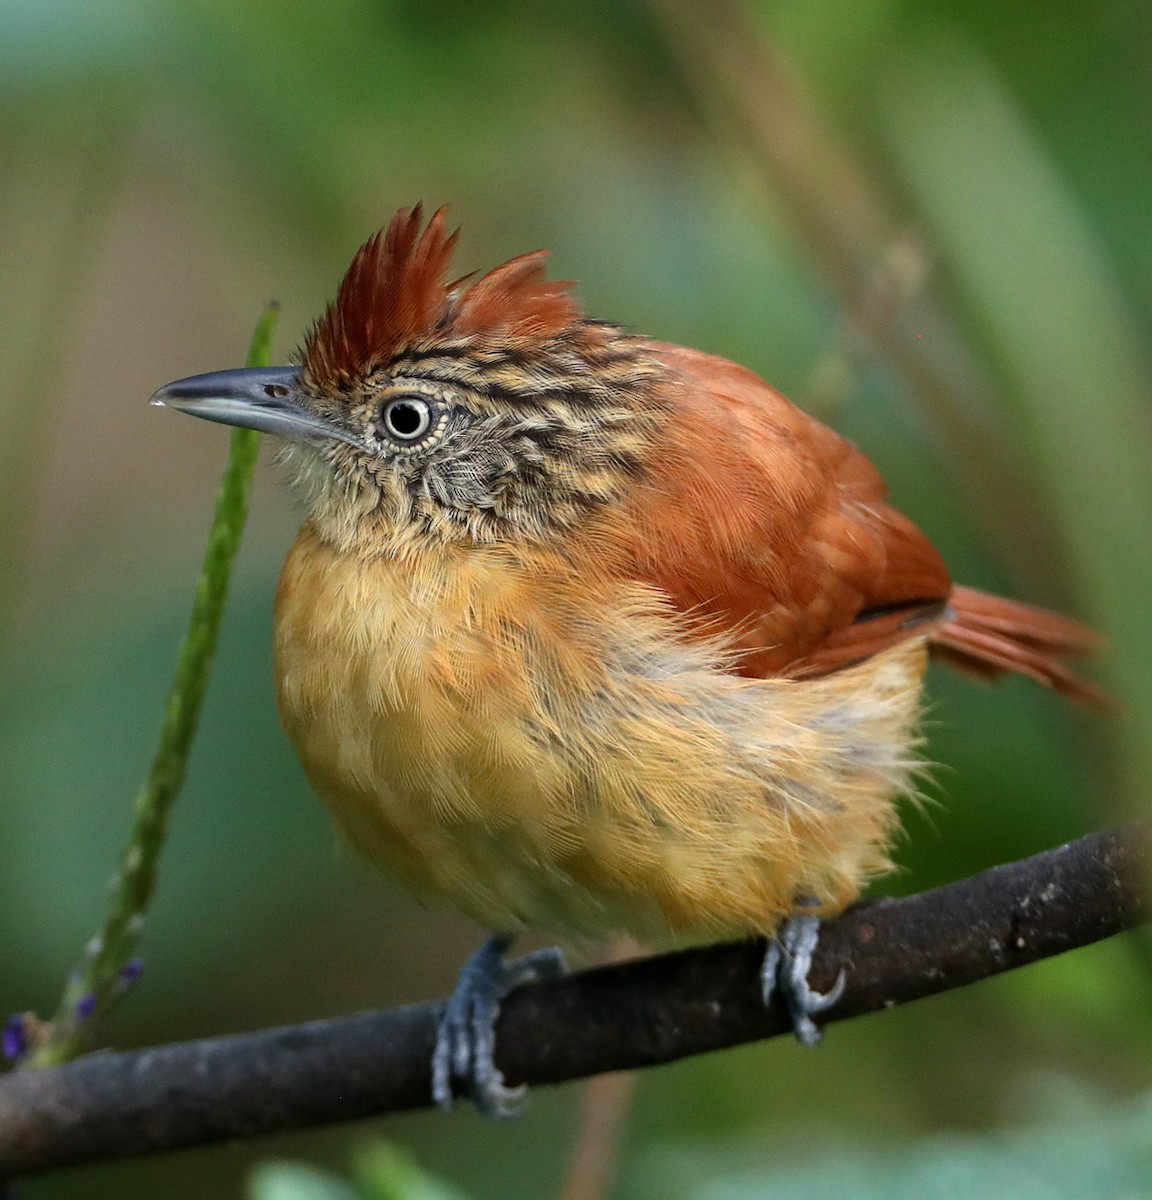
108,968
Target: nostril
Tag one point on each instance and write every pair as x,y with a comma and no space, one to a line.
275,389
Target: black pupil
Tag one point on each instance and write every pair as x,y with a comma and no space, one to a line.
405,419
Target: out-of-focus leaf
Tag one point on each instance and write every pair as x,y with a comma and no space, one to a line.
387,1173
1101,1153
381,1173
1058,326
296,1181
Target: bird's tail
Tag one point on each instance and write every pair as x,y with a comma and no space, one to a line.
990,636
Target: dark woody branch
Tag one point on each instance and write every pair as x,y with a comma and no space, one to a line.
621,1017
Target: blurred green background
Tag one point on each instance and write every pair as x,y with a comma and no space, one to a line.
926,221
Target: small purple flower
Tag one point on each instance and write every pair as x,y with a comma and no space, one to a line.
131,971
85,1006
15,1040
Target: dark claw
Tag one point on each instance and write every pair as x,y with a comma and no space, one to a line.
786,966
463,1062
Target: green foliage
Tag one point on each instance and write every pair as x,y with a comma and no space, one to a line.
379,1173
106,970
297,1181
1090,1148
1102,1152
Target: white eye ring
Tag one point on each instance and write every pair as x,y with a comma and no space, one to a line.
406,419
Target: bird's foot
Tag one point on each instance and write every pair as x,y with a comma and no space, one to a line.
463,1063
786,965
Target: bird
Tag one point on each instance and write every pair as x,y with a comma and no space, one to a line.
592,634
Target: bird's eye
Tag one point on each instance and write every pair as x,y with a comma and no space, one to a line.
406,420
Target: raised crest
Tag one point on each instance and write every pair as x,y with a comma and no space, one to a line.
396,297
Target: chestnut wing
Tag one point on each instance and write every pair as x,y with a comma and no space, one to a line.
776,530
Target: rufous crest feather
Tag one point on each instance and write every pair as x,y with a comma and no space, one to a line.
396,295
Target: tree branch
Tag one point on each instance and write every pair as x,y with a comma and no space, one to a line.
619,1017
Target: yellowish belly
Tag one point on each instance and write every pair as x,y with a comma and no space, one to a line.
573,764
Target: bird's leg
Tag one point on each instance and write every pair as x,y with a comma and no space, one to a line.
786,965
462,1062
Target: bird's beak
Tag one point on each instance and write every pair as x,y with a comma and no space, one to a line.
263,398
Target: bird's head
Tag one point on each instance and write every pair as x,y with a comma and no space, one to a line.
486,410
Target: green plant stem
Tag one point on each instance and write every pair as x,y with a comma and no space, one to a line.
103,974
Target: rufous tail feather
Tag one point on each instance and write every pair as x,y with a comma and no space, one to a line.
991,636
